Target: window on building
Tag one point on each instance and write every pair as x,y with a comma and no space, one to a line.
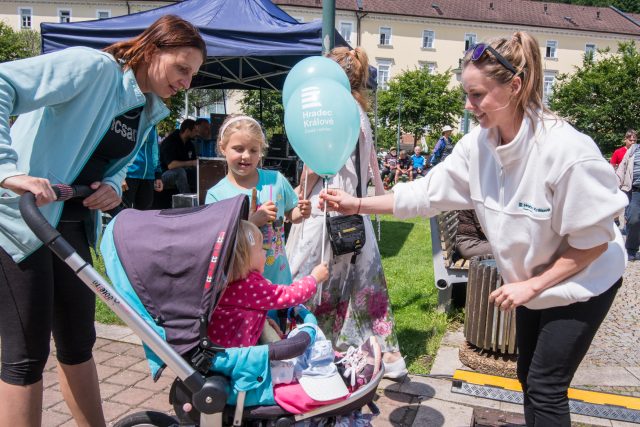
552,49
469,41
64,15
428,37
432,67
345,30
103,14
547,86
384,73
589,50
385,36
25,18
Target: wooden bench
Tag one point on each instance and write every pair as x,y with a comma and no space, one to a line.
448,266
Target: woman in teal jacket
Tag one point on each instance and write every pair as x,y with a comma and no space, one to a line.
144,175
83,115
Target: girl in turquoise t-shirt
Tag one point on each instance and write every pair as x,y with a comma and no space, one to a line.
242,143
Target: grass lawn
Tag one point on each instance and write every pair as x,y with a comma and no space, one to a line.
405,247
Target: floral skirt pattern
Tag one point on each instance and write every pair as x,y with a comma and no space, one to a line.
353,304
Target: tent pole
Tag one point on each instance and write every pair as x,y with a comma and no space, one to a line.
186,104
328,25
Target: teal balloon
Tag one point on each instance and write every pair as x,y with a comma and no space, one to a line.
323,124
312,67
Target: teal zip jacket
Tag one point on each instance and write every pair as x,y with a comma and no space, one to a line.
146,164
66,102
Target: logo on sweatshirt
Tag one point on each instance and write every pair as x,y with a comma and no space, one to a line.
533,209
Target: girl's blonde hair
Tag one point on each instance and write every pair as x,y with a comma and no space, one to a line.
238,122
523,52
355,63
248,235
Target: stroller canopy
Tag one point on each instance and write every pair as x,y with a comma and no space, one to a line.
175,262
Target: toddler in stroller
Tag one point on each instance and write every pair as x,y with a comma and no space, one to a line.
172,267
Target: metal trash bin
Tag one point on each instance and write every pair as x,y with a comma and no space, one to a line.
184,200
485,326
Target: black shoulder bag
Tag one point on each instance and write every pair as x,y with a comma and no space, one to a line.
346,232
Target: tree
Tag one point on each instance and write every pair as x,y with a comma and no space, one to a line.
176,111
602,97
425,99
17,45
200,98
271,114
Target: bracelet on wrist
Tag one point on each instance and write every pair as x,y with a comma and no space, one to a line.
359,206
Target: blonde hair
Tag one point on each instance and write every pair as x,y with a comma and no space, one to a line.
523,52
355,63
247,236
241,123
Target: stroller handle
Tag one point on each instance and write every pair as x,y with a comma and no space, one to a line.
205,391
41,227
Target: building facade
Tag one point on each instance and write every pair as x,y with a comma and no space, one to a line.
400,35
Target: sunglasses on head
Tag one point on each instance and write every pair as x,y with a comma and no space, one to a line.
479,49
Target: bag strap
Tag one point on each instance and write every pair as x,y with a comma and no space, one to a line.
357,162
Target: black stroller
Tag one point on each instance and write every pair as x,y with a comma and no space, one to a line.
169,268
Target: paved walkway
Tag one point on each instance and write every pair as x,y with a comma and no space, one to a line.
612,364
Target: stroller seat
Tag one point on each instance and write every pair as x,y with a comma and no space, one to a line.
170,267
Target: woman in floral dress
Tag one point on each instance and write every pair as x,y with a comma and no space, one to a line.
354,303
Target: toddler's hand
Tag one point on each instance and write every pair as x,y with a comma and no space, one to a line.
305,208
320,272
266,213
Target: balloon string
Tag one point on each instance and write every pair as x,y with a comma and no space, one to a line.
324,236
304,197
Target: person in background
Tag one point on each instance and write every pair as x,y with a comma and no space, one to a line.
630,138
83,115
202,138
443,147
418,163
403,167
389,165
144,176
354,302
470,239
548,214
178,158
628,174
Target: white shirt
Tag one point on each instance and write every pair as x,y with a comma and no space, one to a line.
545,191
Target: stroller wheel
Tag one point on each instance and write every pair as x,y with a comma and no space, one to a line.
147,419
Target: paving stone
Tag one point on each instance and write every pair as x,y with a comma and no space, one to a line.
396,409
121,361
107,390
54,419
117,347
50,398
126,378
132,396
615,376
114,411
105,372
435,413
158,402
447,361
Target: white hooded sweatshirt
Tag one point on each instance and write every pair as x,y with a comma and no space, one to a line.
550,188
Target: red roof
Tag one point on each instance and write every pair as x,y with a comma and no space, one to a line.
515,12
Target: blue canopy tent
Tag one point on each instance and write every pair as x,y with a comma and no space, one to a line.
251,44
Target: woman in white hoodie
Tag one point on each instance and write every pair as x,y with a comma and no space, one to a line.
546,198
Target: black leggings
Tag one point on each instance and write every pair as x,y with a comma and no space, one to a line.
38,297
551,344
140,193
